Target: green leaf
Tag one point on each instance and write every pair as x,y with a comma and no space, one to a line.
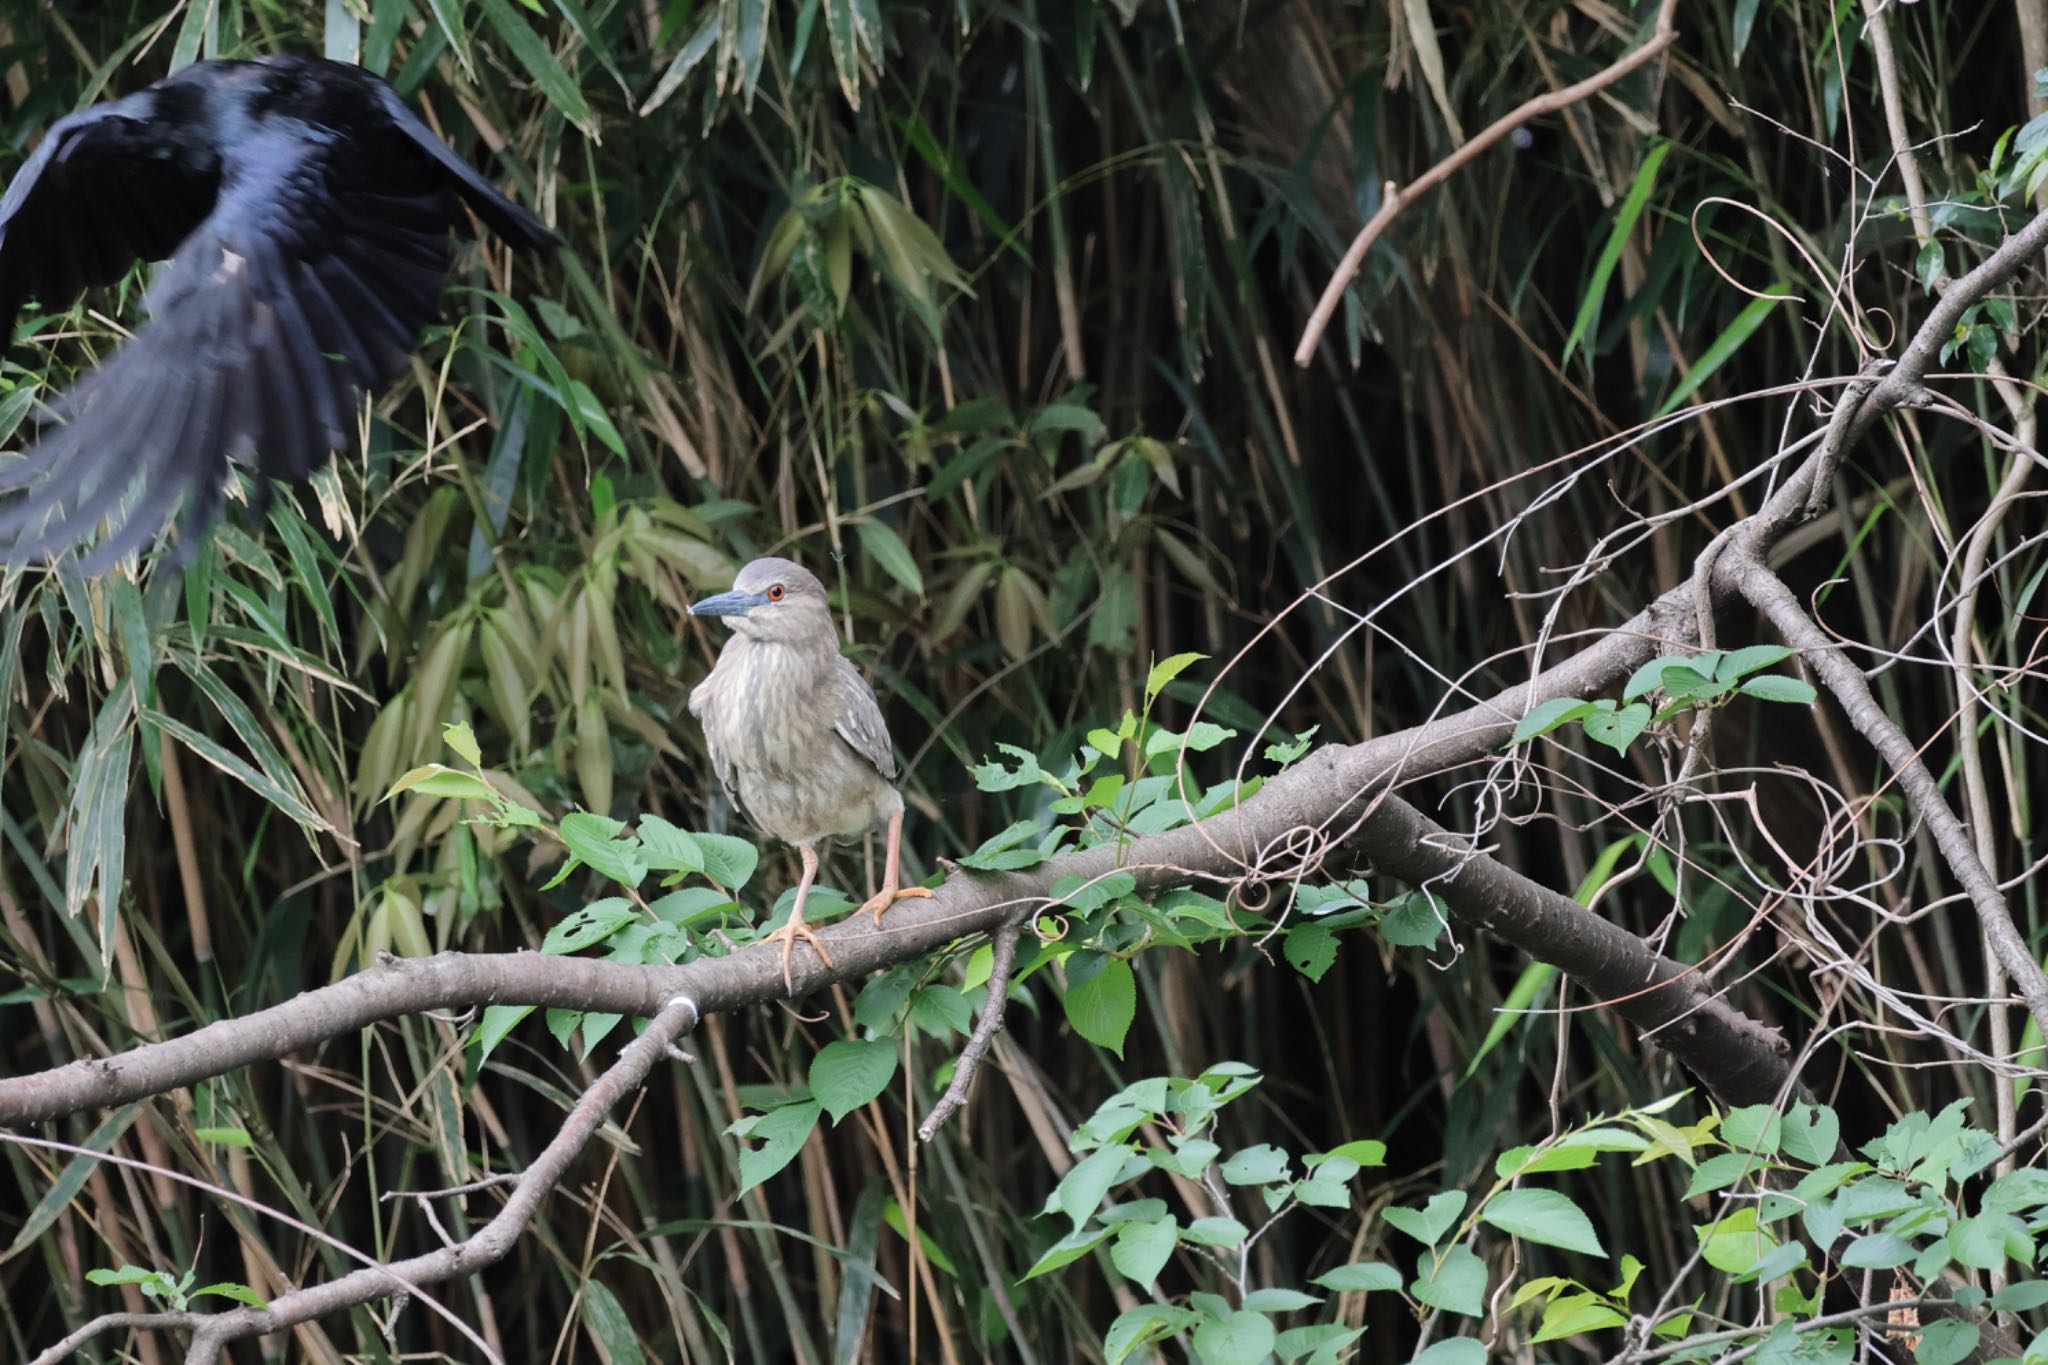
1101,1003
608,1322
781,1131
433,779
1779,687
1010,849
665,848
1617,239
1739,663
1927,266
230,1289
1877,1251
1260,1165
1547,716
847,1074
1360,1277
1811,1133
1456,1286
498,1021
1454,1351
462,740
594,841
1216,1232
1946,1341
1735,1243
1414,921
1279,1300
1165,671
728,861
1067,1250
1092,893
1082,1189
1240,1338
1429,1223
1543,1216
1753,1128
1571,1314
1618,729
1725,346
2022,1296
1143,1325
594,923
886,548
1980,1242
1142,1249
1311,949
533,53
127,1274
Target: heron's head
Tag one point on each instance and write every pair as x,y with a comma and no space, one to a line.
777,600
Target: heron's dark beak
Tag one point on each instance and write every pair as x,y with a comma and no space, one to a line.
733,603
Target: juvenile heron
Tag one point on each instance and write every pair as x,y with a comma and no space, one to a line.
795,733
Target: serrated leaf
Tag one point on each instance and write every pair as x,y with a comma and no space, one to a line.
1360,1277
1780,688
1543,1216
1166,670
594,923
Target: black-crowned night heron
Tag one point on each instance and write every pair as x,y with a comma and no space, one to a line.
795,733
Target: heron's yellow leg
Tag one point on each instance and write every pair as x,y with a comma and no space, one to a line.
892,874
796,929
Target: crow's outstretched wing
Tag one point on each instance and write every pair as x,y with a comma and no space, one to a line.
116,184
499,214
307,283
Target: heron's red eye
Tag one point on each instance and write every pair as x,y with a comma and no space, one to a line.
774,592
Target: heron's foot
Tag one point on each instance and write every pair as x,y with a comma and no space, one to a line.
889,895
787,936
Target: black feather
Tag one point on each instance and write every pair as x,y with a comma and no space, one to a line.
306,213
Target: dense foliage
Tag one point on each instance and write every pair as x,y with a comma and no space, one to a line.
984,312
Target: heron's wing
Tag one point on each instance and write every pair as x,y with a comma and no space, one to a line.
857,718
112,185
308,282
499,214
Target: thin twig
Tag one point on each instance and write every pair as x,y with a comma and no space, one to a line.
1005,956
1396,204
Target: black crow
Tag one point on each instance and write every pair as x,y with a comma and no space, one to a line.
306,214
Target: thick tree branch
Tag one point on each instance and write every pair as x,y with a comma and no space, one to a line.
1768,593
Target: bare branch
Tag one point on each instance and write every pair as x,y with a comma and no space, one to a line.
1396,204
494,1239
1004,957
1768,593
